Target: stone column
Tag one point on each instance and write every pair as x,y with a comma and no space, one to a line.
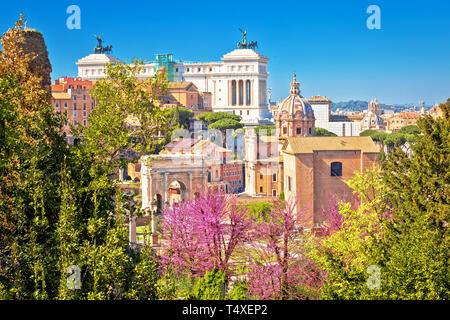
245,92
252,85
132,229
230,96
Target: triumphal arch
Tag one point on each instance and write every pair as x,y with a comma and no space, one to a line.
167,179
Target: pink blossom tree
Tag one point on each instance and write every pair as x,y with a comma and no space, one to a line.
202,234
278,267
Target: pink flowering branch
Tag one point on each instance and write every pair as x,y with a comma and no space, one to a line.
202,234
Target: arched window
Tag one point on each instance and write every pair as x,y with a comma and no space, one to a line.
299,130
336,169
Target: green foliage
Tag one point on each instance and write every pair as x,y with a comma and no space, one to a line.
323,132
211,117
389,139
31,151
182,115
59,204
399,224
209,287
239,291
418,236
411,129
259,210
265,130
346,254
127,117
145,278
224,124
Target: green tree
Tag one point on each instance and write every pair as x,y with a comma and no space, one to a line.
211,117
323,132
224,124
209,287
183,116
399,224
127,117
411,129
265,130
418,235
346,254
145,276
60,204
31,151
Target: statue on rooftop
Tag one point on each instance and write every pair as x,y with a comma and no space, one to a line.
100,48
243,44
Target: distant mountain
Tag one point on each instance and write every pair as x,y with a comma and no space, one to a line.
358,105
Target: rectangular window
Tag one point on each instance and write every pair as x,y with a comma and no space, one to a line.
84,97
74,113
261,176
84,106
74,97
74,106
274,177
289,184
261,189
65,104
336,169
299,130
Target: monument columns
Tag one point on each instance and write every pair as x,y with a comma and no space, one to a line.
252,85
244,86
230,101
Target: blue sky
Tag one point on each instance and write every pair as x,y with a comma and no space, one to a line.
326,43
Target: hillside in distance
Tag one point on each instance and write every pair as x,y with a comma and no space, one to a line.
358,105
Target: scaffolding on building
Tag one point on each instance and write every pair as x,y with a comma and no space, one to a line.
165,60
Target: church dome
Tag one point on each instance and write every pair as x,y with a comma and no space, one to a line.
372,119
295,103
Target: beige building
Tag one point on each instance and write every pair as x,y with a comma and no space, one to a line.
401,120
